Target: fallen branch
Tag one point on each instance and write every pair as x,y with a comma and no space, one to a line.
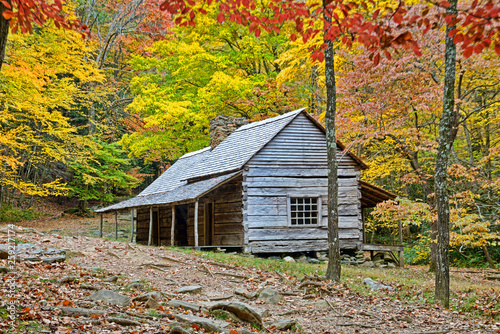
168,258
208,270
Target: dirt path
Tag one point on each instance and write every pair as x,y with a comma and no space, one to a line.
316,308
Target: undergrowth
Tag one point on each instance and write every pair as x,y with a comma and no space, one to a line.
10,214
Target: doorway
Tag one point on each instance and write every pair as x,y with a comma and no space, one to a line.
181,218
155,235
209,224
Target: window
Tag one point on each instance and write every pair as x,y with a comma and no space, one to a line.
304,211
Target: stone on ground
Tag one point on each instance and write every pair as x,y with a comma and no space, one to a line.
152,303
281,324
207,324
192,289
67,279
185,305
374,285
270,296
145,297
243,311
110,297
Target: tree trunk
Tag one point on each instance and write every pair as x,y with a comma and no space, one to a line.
488,258
333,270
445,141
4,32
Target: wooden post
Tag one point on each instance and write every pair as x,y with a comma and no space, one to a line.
196,224
172,232
100,228
401,255
150,225
132,222
116,224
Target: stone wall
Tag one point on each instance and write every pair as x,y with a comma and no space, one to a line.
222,126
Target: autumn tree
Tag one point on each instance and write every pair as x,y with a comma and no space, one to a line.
22,15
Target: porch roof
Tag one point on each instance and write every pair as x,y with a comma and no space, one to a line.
372,195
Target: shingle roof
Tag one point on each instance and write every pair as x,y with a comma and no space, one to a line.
228,157
182,193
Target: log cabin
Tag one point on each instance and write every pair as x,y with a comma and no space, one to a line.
260,187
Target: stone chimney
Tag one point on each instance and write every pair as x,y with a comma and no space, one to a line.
222,126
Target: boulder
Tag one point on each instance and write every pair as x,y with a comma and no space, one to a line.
53,259
152,303
374,285
110,297
192,289
367,264
243,311
270,296
288,259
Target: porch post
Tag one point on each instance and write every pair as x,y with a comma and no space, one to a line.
100,228
116,225
172,232
401,255
132,223
196,224
150,225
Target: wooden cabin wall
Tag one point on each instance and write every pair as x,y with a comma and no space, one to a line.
294,164
228,215
142,229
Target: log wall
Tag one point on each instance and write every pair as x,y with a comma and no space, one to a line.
294,164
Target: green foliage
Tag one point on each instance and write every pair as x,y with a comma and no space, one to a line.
10,214
101,172
419,251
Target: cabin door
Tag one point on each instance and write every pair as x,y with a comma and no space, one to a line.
181,231
209,224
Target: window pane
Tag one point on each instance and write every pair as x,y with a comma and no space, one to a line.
304,210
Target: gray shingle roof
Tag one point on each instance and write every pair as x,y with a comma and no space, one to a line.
184,192
228,157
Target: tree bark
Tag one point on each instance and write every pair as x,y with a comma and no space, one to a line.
445,141
4,32
333,269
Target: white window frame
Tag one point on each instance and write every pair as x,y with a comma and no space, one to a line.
289,211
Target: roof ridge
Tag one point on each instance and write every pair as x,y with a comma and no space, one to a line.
270,120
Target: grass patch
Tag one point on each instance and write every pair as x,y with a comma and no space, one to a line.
10,214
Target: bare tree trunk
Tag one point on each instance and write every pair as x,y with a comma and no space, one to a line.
446,139
334,268
488,258
4,32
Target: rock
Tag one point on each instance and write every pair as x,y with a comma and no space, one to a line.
136,286
67,279
281,324
53,259
123,321
322,304
93,269
374,285
185,305
391,265
352,263
78,311
152,303
4,254
493,277
302,259
142,298
406,318
313,261
241,292
209,325
178,330
88,287
4,270
288,259
110,297
111,279
270,296
367,264
243,311
192,289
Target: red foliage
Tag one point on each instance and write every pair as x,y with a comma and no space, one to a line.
23,14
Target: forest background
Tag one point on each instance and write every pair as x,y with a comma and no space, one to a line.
98,118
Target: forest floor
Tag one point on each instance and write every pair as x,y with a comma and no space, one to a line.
309,304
